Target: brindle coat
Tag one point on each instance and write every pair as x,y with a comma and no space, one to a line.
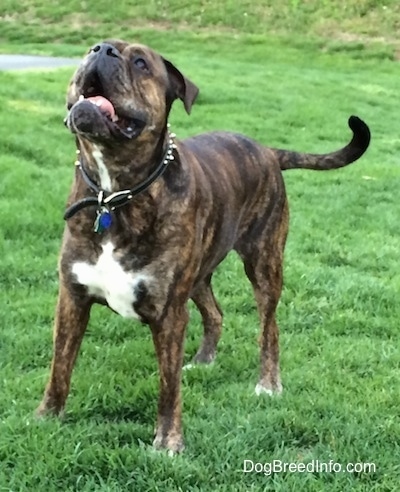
222,191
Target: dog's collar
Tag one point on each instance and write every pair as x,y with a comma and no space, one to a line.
107,202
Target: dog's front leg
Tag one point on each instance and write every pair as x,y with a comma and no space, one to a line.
168,336
72,316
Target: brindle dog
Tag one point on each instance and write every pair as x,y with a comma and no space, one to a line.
149,219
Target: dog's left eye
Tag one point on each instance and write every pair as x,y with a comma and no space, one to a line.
141,64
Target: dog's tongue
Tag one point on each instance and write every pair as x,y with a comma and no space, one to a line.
104,105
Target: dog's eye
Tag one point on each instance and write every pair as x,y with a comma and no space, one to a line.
141,64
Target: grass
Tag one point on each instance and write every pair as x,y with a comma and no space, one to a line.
56,27
77,20
338,314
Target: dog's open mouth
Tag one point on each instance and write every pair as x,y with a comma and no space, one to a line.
94,113
117,122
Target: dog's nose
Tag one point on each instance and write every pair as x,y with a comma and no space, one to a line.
105,49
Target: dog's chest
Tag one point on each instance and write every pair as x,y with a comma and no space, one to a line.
106,279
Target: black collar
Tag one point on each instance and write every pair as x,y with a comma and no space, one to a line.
107,202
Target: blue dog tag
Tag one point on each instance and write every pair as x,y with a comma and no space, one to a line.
103,220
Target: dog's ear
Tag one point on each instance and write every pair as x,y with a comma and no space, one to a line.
183,88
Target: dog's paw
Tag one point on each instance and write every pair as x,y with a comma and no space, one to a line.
193,364
204,356
46,409
41,412
262,389
171,445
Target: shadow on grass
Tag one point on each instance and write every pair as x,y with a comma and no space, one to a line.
123,413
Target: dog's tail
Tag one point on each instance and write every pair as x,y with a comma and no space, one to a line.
334,160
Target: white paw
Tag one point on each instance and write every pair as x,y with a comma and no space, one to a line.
186,367
260,389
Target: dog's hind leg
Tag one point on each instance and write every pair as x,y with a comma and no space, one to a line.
211,314
263,259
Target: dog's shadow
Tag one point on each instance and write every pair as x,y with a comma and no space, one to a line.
140,411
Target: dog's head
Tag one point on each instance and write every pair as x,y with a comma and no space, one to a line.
123,91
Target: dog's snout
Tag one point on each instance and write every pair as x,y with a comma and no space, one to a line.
105,49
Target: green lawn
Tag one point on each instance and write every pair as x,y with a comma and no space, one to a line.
338,314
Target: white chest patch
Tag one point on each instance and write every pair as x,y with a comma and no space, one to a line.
107,279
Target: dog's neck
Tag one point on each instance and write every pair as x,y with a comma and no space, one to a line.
106,199
107,167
